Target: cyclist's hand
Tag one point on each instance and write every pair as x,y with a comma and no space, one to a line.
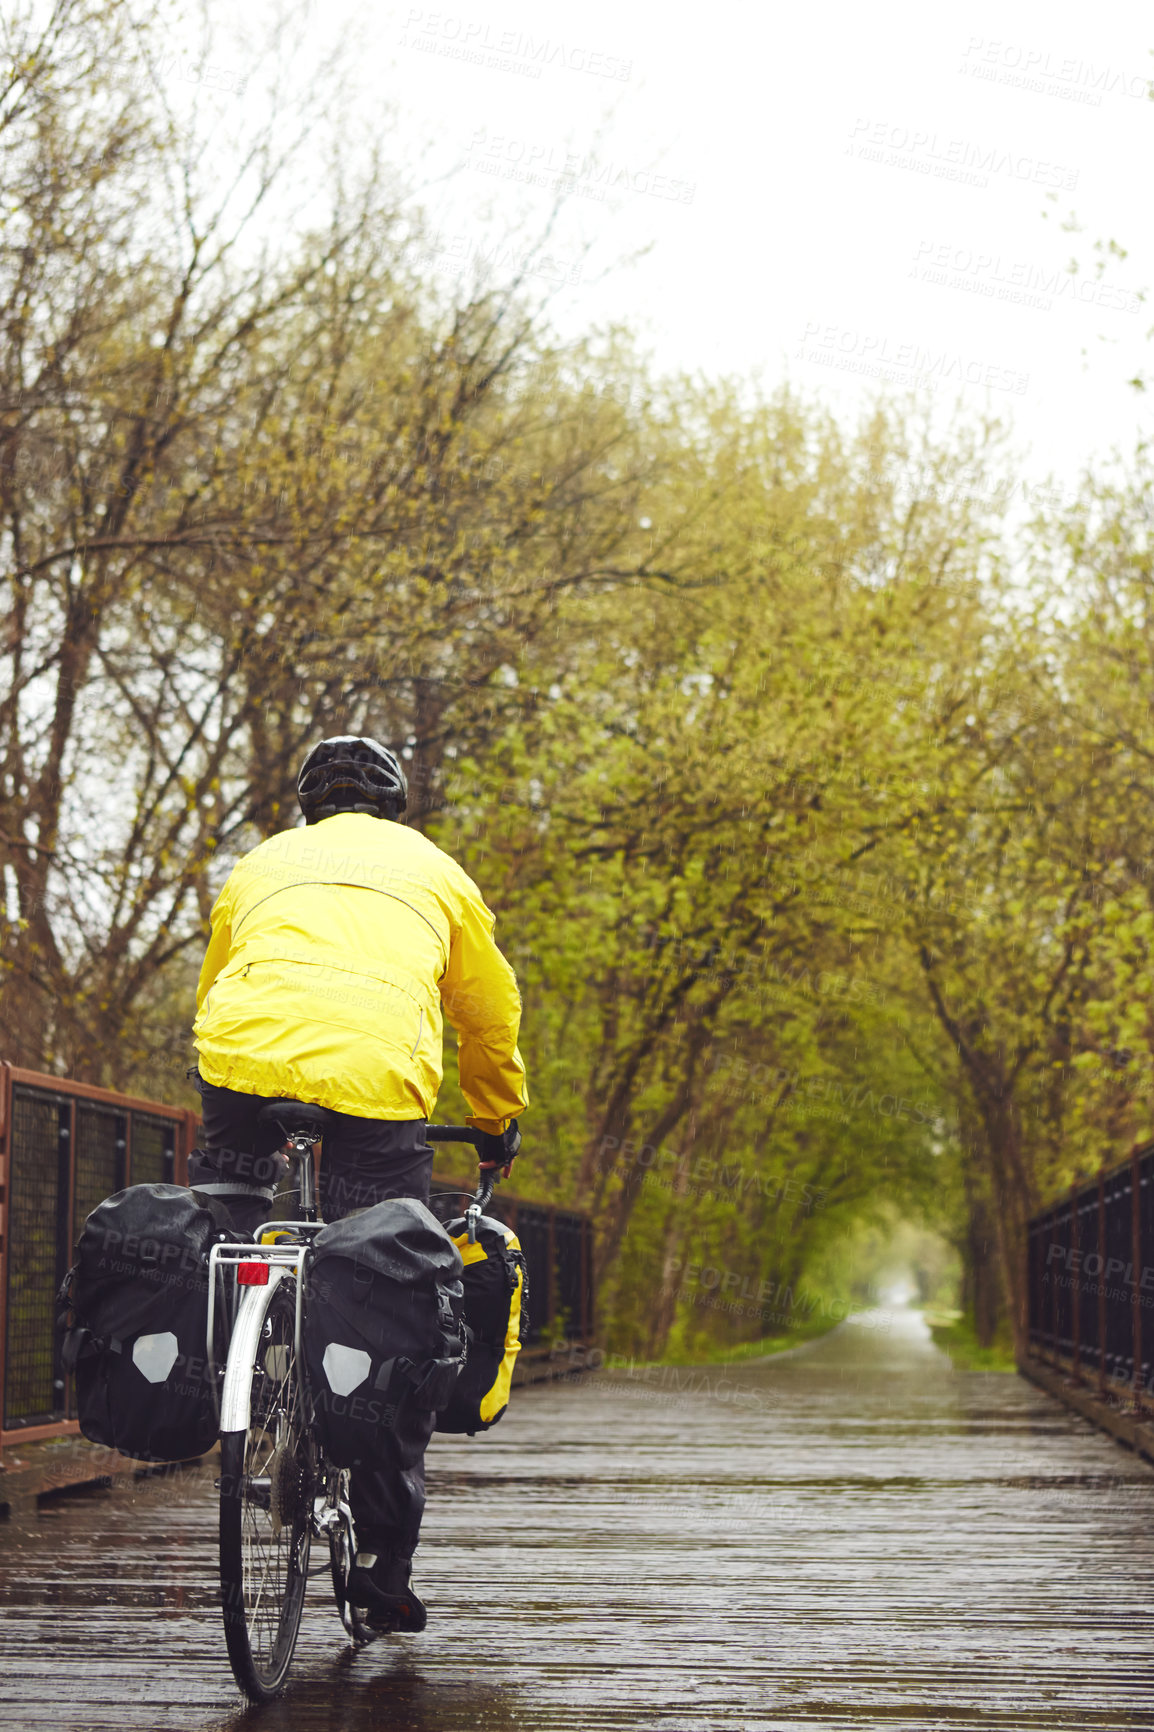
500,1151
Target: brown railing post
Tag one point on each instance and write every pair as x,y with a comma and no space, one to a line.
1136,1267
1101,1282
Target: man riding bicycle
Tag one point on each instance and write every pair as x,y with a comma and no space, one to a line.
334,948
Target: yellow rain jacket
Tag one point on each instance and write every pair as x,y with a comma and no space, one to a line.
333,949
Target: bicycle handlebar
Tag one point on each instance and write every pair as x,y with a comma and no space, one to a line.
459,1134
483,1195
455,1134
486,1184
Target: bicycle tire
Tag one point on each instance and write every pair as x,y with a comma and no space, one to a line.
266,1494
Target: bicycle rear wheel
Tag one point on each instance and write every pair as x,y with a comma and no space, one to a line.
266,1492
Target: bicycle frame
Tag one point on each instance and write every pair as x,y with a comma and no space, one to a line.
281,1258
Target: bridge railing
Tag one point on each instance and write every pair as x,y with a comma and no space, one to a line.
1090,1279
65,1146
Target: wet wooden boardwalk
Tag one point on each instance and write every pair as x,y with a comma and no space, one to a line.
852,1536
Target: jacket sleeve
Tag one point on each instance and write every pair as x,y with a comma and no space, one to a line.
219,945
480,997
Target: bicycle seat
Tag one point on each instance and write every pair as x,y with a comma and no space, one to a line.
296,1119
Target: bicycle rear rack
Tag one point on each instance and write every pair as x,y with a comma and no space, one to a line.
229,1255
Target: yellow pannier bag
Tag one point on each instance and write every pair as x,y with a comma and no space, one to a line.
496,1323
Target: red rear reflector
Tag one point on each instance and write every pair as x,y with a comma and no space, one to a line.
252,1274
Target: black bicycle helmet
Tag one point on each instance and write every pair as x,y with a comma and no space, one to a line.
351,774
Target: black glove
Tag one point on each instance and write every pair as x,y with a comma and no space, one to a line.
499,1151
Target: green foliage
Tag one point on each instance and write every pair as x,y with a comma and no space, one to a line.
956,1335
816,816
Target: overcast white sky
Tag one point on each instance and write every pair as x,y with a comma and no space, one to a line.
828,192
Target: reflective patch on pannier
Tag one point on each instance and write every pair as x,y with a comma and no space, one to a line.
138,1296
496,1321
345,1368
382,1335
155,1355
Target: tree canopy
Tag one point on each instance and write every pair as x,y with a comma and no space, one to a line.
812,798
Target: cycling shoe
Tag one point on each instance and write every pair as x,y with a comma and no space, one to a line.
380,1595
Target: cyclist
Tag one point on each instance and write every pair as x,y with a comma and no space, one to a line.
334,948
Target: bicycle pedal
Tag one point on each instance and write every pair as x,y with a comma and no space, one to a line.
359,1632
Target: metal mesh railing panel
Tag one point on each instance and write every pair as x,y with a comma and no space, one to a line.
1087,1211
51,1191
153,1142
532,1229
100,1148
567,1257
34,1255
1115,1278
1145,1274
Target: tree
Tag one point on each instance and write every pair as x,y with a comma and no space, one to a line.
251,491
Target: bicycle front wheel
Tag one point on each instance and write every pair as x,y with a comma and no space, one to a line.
266,1490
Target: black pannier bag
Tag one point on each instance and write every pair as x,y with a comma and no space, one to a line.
138,1295
383,1336
496,1322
